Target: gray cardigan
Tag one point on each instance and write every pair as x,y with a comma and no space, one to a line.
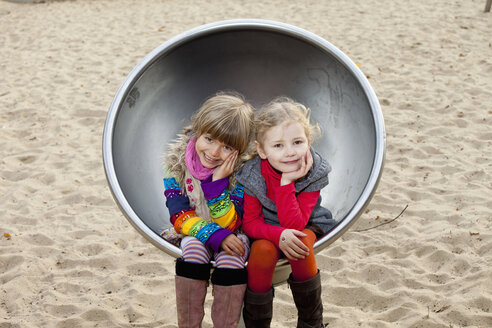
317,178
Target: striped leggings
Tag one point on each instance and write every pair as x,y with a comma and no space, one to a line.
195,252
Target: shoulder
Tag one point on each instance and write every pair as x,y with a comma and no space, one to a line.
320,164
317,178
174,157
250,169
176,149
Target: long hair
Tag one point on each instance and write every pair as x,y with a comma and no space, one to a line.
226,117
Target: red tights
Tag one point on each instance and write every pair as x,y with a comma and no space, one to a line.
263,259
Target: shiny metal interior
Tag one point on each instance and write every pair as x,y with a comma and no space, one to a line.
260,59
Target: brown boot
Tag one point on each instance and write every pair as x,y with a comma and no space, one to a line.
307,297
228,290
191,288
258,309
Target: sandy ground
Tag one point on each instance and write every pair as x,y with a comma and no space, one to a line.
69,258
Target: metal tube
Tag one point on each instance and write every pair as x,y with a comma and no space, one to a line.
260,59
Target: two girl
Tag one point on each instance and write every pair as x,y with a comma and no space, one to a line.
280,210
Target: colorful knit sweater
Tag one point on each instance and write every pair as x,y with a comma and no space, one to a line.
225,208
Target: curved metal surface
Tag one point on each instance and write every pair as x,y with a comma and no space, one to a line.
261,59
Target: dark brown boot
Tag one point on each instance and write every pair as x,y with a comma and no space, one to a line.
307,297
258,309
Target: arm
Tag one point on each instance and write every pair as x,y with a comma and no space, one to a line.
254,222
226,209
286,239
294,212
186,221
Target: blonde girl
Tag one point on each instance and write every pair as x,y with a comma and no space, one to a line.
282,212
206,206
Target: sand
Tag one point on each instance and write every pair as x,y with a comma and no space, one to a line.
68,256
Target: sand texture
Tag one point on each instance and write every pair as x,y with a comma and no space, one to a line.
68,256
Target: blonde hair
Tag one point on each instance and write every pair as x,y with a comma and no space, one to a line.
284,109
226,117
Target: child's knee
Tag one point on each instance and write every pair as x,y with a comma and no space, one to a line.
194,251
264,247
264,255
309,239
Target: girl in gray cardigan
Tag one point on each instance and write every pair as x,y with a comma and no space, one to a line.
282,212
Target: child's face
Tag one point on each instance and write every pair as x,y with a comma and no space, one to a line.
211,152
284,146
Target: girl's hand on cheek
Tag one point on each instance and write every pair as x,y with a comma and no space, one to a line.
306,164
226,168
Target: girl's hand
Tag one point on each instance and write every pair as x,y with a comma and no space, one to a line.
306,164
233,245
225,169
291,245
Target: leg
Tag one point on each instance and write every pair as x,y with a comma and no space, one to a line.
261,265
194,251
226,261
191,281
305,284
307,297
258,300
306,268
229,283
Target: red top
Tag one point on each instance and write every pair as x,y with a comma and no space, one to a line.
293,210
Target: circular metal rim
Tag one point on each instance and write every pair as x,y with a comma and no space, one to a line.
268,25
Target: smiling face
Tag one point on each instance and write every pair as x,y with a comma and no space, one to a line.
283,146
211,152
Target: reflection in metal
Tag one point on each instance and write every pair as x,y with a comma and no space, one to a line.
260,59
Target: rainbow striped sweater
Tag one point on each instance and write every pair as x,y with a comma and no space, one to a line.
226,210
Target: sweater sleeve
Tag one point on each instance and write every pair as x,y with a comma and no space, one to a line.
226,208
254,224
294,211
184,218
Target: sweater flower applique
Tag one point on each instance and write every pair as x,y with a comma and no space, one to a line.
189,185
